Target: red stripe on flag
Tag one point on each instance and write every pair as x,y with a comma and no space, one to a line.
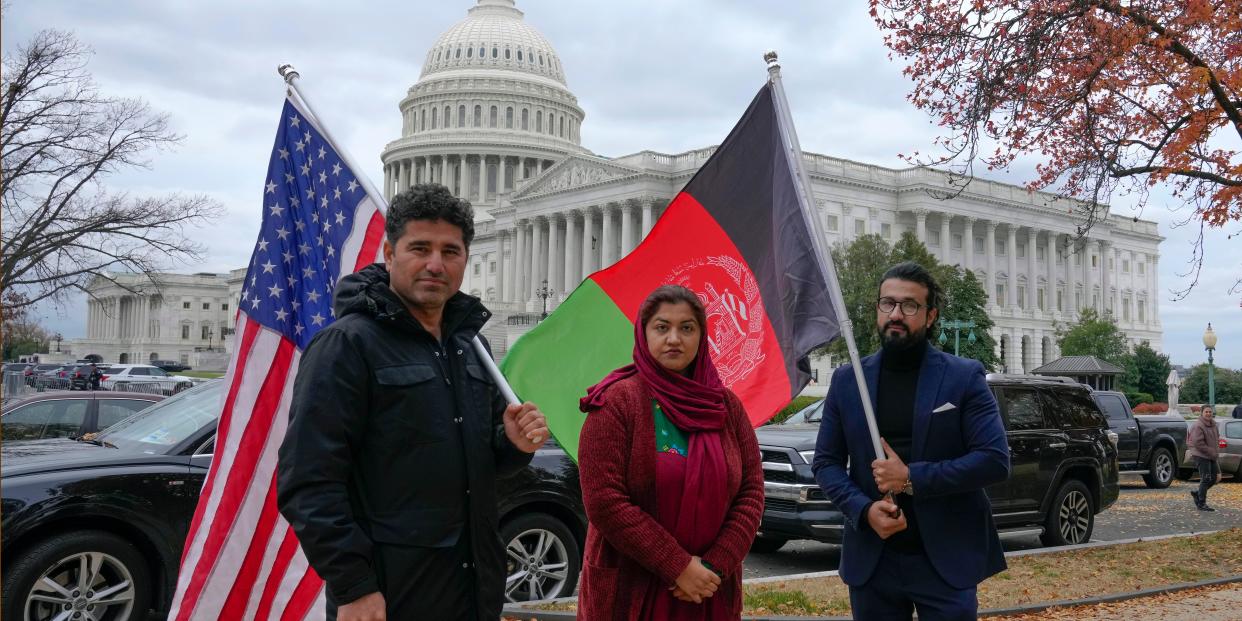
239,595
304,596
222,429
249,451
279,566
372,241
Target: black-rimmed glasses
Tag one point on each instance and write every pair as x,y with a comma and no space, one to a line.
908,307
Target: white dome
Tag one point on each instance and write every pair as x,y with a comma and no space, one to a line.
494,36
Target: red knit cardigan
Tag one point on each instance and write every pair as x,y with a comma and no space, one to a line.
626,547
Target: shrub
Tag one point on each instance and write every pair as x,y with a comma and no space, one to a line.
1135,398
794,406
1151,408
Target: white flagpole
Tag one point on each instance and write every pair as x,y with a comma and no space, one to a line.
785,122
292,79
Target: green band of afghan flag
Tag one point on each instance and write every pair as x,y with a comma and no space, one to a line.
736,235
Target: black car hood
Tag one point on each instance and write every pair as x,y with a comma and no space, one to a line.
799,437
35,456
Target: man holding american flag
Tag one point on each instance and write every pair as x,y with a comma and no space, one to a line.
397,433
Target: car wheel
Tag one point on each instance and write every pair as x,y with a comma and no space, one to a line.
541,558
765,543
1160,469
1071,518
77,575
180,387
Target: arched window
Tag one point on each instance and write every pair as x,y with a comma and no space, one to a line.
495,52
461,116
438,54
491,117
525,119
509,117
541,59
422,120
519,54
478,116
448,116
506,53
435,117
551,124
469,52
562,130
539,121
482,52
459,51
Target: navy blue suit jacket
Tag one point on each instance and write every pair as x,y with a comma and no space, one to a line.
955,453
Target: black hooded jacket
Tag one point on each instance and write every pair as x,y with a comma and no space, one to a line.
395,440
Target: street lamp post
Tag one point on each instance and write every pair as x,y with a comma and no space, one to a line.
58,339
211,333
1209,343
957,326
544,293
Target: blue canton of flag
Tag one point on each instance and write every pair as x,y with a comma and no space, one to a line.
310,201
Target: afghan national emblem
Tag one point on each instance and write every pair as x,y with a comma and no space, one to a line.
734,307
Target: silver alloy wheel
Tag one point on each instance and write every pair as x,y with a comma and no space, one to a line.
1163,468
88,586
1075,517
538,566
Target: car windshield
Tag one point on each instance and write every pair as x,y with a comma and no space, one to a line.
158,428
809,414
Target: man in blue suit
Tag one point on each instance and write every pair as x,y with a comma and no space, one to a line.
933,542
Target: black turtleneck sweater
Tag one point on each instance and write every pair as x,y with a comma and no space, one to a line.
899,381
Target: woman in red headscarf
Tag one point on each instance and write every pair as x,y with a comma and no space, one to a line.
671,477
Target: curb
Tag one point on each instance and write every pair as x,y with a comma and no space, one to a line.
526,614
547,615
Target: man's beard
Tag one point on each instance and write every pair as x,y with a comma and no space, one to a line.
901,341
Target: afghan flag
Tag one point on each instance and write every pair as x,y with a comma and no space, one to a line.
736,235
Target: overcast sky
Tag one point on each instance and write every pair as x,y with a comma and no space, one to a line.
650,74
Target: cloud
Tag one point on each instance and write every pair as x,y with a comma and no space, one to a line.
650,74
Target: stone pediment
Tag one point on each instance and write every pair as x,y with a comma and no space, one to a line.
575,172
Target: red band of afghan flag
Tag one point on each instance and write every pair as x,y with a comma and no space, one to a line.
737,237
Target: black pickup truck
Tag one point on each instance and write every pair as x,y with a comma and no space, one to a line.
1064,467
1147,445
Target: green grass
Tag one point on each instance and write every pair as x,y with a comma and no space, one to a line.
779,601
200,374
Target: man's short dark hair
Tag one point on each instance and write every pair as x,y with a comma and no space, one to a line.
429,201
913,272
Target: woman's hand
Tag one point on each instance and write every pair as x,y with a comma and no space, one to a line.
696,582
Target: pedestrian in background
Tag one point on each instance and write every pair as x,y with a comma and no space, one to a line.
1237,411
1204,446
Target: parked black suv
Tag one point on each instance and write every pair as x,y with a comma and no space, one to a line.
1063,467
124,501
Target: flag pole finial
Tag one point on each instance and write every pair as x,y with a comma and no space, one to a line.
287,72
774,66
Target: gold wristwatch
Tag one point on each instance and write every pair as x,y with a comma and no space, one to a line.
908,488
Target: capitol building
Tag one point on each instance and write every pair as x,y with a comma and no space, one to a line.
492,117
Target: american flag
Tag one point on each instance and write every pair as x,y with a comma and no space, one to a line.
241,559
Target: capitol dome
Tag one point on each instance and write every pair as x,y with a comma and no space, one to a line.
494,36
491,108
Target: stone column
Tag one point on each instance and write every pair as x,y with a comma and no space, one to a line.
920,225
989,251
520,171
968,243
946,239
648,222
606,257
1153,296
539,167
1088,276
588,230
555,264
387,181
1050,254
499,266
483,180
500,176
1011,249
461,175
402,176
536,258
572,251
522,269
1032,277
627,228
426,168
509,264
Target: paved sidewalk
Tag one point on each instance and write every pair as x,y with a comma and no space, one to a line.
1216,603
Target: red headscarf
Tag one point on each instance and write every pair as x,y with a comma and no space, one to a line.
692,403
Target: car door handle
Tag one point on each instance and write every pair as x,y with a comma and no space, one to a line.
1056,445
1131,428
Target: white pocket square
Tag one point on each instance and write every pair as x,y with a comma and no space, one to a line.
944,408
